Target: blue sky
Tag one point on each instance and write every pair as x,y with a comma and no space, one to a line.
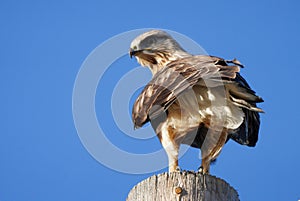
43,46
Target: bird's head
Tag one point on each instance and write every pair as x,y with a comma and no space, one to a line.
155,49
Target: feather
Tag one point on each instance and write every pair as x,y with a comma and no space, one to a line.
176,77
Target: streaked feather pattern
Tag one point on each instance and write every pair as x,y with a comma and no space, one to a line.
177,76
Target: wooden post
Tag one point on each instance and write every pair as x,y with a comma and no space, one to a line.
183,186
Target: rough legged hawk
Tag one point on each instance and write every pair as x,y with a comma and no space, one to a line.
198,100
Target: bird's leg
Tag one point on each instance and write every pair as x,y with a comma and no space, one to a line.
172,152
212,148
171,147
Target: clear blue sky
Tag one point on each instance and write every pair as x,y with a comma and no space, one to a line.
43,45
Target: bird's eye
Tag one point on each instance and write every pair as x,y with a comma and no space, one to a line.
135,47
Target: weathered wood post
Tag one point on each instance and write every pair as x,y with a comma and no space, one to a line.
183,186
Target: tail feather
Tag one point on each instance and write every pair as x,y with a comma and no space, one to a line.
243,96
247,133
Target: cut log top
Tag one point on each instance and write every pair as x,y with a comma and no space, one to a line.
183,186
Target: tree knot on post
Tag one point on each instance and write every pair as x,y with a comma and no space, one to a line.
178,190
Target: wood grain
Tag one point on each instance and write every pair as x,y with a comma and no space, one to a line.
183,186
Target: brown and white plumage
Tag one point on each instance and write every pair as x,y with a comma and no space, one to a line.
198,100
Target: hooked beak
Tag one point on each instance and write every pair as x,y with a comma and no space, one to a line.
133,52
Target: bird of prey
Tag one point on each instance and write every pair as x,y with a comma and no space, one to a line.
198,100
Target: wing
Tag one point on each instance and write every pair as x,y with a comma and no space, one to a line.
176,77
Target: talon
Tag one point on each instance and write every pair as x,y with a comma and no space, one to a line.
200,169
177,169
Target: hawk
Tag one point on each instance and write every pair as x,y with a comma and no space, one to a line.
198,100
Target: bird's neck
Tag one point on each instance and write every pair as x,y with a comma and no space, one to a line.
164,59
